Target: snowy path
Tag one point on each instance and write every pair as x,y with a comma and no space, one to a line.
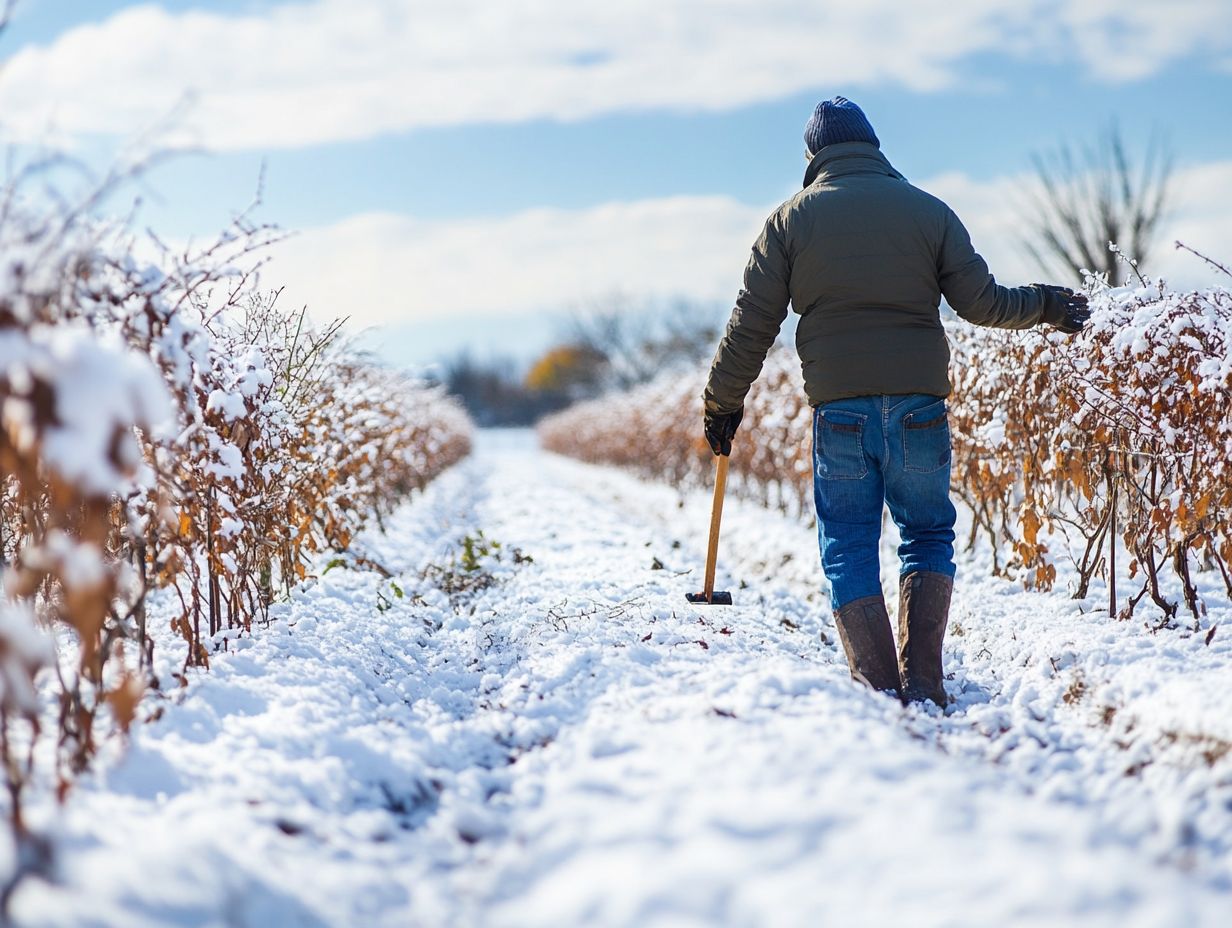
574,745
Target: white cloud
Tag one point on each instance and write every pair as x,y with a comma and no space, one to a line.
386,268
1126,41
390,269
328,70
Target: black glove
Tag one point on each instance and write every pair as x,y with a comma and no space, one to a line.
720,428
1063,308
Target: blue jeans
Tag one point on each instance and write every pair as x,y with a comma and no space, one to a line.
870,450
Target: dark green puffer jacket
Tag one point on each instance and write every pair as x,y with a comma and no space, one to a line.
864,258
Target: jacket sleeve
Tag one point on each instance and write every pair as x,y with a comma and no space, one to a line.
972,291
760,310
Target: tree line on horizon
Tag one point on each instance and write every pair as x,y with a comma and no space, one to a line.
612,343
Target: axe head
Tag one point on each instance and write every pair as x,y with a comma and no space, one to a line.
716,598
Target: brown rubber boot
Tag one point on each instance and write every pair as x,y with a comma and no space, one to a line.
864,628
923,612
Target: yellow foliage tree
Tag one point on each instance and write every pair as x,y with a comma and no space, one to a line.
572,369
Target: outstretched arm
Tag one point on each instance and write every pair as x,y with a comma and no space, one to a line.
973,292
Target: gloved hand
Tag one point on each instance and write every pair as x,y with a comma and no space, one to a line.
1063,308
720,428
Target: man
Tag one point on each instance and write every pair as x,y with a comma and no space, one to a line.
864,258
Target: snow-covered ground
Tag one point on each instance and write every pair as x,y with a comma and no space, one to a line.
553,737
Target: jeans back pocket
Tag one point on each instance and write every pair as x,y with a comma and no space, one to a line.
838,445
926,439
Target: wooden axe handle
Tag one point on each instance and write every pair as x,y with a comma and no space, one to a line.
716,516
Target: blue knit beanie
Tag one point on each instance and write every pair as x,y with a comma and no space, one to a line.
837,120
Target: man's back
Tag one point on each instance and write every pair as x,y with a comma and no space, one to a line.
864,258
864,247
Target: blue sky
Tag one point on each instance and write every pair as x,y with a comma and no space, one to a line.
464,183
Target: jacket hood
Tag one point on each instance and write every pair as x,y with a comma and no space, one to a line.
848,158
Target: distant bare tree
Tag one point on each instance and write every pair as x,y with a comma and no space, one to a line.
613,329
637,339
687,332
1083,199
